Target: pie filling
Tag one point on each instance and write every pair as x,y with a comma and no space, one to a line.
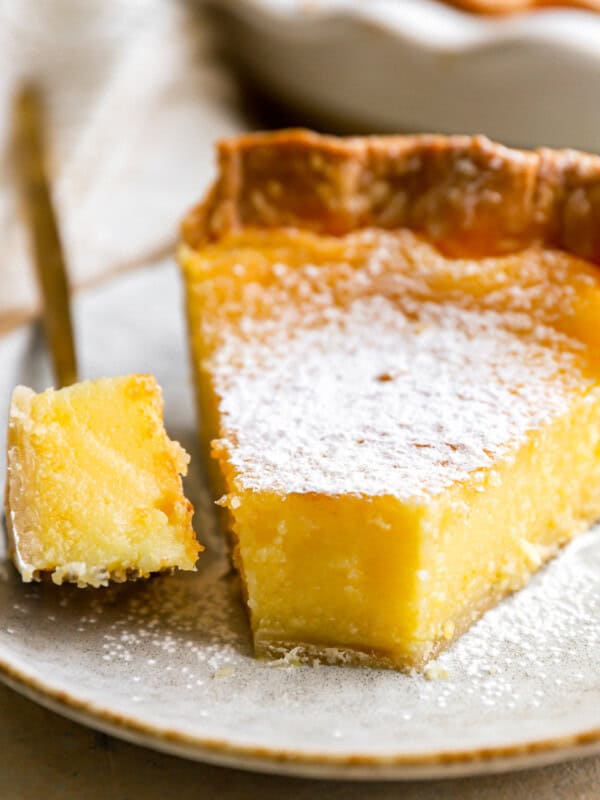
400,438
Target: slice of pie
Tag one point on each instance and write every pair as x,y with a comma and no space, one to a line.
93,489
396,345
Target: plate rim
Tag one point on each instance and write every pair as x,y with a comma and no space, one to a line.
264,759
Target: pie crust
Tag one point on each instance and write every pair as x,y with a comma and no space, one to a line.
468,195
512,6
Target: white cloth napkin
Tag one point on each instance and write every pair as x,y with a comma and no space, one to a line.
135,101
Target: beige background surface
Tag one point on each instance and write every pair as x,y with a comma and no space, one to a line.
46,756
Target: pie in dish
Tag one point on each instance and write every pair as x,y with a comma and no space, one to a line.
396,346
93,486
511,6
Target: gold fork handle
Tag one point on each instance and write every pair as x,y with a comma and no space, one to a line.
46,244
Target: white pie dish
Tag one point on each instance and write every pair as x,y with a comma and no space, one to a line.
420,65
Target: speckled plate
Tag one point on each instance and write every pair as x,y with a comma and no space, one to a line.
168,663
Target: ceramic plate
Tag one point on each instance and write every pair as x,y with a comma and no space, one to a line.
168,662
420,65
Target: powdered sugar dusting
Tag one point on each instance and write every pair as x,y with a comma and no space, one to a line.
377,402
373,364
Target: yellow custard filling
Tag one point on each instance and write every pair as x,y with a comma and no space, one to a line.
400,438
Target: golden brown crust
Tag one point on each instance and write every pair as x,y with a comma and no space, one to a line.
512,6
467,194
